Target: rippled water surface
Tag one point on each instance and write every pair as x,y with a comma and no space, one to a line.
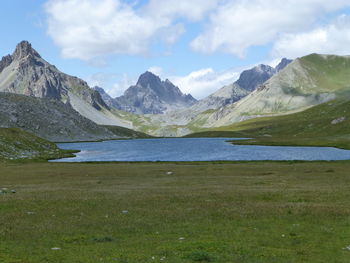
198,149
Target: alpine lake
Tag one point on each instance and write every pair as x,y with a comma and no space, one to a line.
195,149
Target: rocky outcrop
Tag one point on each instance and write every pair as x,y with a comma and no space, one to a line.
250,79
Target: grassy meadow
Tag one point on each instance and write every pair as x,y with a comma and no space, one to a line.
175,212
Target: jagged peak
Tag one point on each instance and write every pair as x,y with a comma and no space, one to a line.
23,49
148,78
284,62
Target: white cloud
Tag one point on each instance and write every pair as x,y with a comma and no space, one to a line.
86,29
331,39
113,84
194,10
200,83
204,82
237,25
122,85
100,79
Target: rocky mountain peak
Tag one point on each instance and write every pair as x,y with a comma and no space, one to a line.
252,78
32,76
264,68
150,95
284,62
24,49
148,79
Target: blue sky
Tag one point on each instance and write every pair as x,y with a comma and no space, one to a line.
199,45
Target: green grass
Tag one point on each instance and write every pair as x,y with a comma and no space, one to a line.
312,127
331,73
16,144
203,212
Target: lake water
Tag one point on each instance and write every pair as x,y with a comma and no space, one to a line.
197,149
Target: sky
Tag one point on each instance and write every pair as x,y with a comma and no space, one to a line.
199,45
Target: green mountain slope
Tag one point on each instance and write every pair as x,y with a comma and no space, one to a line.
306,82
16,144
329,73
327,124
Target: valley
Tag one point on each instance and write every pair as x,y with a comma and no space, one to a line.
157,107
187,131
148,210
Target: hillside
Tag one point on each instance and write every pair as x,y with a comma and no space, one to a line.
306,82
327,124
16,144
54,120
49,119
248,81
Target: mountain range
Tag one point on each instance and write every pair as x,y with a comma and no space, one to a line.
37,97
303,83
